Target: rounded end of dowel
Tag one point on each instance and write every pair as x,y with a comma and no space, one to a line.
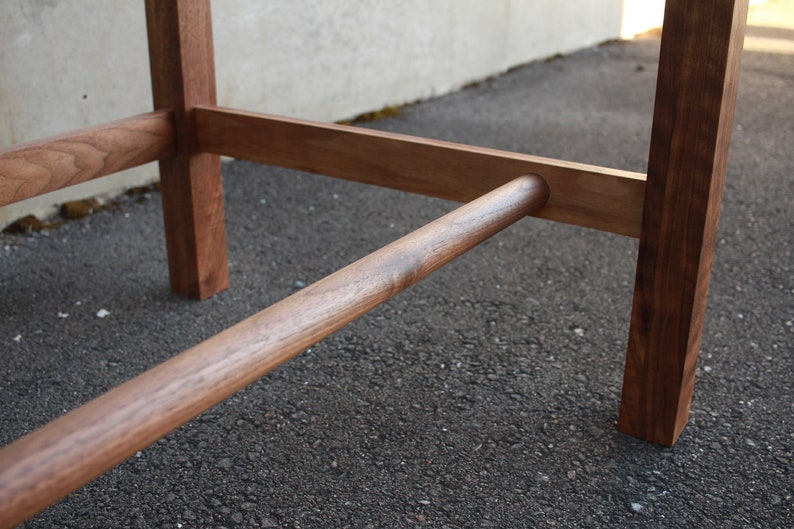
536,186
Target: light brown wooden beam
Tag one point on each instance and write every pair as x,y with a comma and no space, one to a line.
37,167
695,99
39,469
584,195
183,75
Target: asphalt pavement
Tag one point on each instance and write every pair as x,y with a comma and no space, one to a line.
485,396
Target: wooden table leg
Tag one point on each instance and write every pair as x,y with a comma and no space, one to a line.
695,98
183,75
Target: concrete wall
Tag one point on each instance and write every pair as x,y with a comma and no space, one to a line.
66,64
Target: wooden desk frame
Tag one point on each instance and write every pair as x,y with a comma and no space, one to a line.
674,212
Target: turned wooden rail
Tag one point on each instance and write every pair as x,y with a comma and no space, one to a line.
46,465
673,210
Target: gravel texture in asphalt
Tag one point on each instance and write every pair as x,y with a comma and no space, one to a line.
485,396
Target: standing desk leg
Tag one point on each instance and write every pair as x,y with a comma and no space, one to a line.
183,76
693,114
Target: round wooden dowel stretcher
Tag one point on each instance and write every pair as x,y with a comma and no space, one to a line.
46,465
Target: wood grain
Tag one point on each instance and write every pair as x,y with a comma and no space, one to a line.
34,168
695,99
584,195
183,75
46,465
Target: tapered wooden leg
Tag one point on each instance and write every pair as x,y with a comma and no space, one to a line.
695,99
183,75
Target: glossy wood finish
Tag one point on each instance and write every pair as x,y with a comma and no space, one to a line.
46,465
183,75
585,195
34,168
695,99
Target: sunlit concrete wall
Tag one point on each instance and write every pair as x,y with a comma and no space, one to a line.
66,64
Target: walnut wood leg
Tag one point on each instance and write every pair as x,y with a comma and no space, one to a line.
695,99
183,75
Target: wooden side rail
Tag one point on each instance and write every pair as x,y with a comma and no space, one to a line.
584,195
46,465
34,168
